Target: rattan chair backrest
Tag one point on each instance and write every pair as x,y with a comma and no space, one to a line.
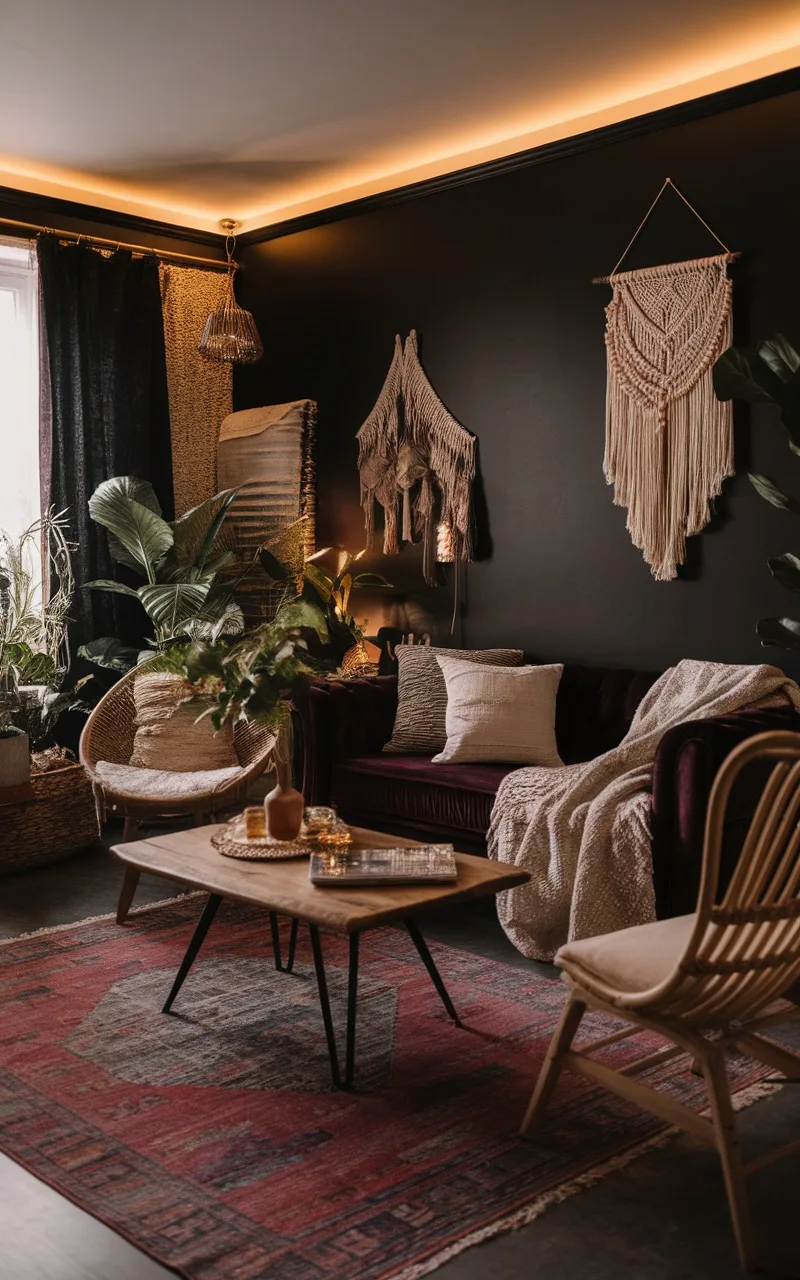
744,950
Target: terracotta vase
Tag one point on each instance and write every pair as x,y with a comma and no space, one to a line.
284,806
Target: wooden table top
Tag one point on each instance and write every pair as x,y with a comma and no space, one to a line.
283,885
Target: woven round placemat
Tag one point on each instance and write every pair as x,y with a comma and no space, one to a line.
233,842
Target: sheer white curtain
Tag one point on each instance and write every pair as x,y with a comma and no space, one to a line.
19,386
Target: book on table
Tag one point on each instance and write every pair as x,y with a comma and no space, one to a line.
423,864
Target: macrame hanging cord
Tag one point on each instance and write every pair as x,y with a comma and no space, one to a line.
669,441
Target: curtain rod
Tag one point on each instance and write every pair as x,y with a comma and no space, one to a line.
115,244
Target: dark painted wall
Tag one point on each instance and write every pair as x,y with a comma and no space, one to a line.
496,277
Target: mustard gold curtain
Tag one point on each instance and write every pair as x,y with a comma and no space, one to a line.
200,390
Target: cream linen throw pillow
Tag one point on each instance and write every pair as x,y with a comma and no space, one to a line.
503,714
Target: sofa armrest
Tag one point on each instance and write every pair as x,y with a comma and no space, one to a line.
335,719
686,763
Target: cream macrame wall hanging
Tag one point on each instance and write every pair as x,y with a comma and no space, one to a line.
412,452
669,441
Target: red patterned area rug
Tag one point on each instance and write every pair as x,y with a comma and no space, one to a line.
212,1138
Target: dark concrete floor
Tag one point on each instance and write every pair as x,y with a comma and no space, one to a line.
663,1217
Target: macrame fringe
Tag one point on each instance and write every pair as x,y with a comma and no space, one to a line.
106,918
378,439
669,441
430,460
530,1212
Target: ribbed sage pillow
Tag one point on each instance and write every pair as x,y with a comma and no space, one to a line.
419,726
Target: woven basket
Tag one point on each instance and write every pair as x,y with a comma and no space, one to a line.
59,820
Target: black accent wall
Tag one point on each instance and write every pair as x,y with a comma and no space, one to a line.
496,278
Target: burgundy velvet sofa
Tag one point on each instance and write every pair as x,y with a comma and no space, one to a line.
341,727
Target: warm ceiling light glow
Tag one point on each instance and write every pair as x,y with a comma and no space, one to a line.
754,50
636,96
87,188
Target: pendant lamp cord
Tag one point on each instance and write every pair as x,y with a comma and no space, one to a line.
667,183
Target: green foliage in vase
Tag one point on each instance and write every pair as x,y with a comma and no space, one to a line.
185,593
256,676
769,374
34,628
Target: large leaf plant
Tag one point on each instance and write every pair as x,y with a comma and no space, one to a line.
769,374
185,593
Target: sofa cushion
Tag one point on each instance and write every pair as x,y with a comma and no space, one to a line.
419,726
497,714
410,791
595,707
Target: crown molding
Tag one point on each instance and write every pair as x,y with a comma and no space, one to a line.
29,207
710,104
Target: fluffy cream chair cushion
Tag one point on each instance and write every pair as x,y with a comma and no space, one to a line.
162,784
168,734
499,714
419,726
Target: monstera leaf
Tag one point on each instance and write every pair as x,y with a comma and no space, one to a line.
784,633
138,536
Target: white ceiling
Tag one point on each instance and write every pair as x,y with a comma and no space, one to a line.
192,111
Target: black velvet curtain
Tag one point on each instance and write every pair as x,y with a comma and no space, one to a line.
108,405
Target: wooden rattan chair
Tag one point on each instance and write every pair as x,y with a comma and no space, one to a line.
108,735
709,981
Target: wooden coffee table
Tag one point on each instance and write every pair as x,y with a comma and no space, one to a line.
283,888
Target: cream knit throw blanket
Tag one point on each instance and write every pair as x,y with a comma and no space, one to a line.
582,831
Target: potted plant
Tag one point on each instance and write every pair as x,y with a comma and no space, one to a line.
36,589
769,374
185,592
256,676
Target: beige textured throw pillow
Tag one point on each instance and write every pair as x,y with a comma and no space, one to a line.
500,715
167,736
419,726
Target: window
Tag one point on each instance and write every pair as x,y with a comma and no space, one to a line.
19,386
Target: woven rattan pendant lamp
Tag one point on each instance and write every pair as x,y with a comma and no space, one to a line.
230,332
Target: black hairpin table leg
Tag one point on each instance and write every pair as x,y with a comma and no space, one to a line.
352,997
322,984
292,944
201,929
430,965
276,943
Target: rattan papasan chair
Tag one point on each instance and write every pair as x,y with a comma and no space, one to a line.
108,738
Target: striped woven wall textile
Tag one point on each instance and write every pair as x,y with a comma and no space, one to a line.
200,390
269,453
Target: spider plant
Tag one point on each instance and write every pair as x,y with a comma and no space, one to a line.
36,590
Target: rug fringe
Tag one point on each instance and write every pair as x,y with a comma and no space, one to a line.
529,1212
109,915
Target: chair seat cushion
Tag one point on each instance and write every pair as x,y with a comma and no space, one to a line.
412,790
630,960
126,780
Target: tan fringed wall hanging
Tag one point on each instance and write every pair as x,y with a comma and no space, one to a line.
669,441
413,451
